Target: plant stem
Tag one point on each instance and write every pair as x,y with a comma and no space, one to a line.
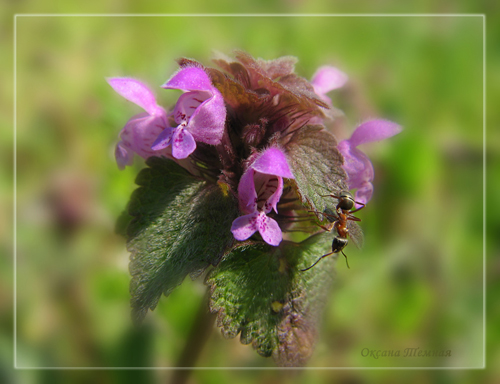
197,339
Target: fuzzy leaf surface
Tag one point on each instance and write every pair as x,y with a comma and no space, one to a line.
180,225
260,293
317,166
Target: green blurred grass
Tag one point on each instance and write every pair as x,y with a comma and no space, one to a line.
417,282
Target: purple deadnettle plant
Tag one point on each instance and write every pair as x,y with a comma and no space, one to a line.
240,171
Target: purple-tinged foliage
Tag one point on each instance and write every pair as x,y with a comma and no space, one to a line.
239,164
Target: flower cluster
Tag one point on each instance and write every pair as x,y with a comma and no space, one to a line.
199,114
240,126
241,162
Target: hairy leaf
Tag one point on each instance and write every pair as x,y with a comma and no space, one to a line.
180,225
268,73
235,94
274,69
316,164
267,89
260,293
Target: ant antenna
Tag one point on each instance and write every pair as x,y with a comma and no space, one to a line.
347,263
328,254
317,261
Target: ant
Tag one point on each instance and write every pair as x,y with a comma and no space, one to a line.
344,214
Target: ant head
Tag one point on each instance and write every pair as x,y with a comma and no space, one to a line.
346,201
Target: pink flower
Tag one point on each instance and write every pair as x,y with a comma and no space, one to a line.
200,113
259,191
358,167
141,130
327,79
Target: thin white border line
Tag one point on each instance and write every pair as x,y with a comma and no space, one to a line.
484,191
250,15
14,205
483,16
247,368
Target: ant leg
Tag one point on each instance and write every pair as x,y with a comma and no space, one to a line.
353,218
325,228
327,215
357,209
322,213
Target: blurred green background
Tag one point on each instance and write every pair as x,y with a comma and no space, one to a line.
417,283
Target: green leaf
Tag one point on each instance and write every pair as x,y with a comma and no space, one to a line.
260,292
180,225
317,166
122,223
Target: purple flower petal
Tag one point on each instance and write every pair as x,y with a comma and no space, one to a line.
247,195
164,139
188,103
201,108
261,185
205,114
273,162
259,192
142,130
244,226
269,189
357,165
183,143
123,156
208,121
363,193
269,230
138,135
136,92
326,79
373,130
189,79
